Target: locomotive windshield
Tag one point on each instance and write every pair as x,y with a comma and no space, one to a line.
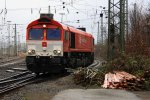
53,34
36,34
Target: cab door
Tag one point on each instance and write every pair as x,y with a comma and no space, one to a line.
66,41
72,40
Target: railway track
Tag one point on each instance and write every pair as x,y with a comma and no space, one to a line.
16,81
9,60
23,79
95,64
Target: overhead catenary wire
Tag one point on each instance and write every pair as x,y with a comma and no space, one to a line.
70,8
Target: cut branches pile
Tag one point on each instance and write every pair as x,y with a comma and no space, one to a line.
122,80
110,80
88,76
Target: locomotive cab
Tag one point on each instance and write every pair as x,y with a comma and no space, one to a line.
44,45
44,42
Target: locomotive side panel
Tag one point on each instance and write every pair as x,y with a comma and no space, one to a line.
80,41
83,42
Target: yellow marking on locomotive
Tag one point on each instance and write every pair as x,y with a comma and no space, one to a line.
44,34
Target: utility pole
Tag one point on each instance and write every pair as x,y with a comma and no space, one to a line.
98,34
18,43
9,37
49,9
126,22
2,45
15,41
102,27
62,15
5,11
117,27
135,15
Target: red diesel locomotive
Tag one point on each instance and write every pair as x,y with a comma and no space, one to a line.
51,46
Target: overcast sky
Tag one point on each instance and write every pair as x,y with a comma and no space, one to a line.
25,11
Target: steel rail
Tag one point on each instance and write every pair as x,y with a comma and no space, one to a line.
9,60
95,64
16,82
15,76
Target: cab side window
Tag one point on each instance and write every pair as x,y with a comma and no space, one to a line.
66,35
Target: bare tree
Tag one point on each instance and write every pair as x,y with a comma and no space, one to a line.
139,36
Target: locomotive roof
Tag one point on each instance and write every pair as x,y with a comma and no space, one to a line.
65,27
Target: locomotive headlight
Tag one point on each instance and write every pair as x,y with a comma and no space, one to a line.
57,52
44,26
31,51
